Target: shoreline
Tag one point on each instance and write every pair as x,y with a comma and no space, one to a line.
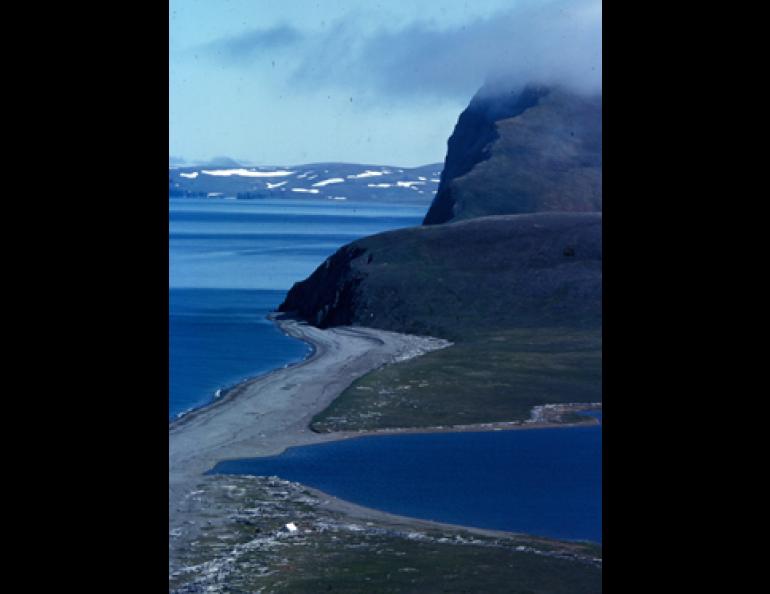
232,390
361,512
266,414
479,427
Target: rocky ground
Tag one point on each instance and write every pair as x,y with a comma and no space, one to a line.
232,537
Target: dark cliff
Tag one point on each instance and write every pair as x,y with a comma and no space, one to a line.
505,271
537,150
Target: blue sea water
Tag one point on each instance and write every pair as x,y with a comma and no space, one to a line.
218,337
231,263
545,482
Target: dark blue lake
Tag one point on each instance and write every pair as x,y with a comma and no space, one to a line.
231,263
545,482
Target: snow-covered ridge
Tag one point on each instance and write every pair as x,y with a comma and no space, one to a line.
332,181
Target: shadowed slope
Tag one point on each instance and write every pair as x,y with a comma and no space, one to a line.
514,271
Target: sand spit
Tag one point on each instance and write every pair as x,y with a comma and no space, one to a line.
266,415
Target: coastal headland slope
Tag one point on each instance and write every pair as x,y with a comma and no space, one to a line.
508,266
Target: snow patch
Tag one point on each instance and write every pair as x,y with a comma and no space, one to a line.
308,190
367,173
326,182
245,173
192,175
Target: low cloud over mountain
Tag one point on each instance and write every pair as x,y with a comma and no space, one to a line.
557,42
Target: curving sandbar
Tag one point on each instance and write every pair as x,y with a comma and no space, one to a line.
270,413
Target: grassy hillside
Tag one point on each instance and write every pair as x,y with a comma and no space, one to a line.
519,295
485,377
453,280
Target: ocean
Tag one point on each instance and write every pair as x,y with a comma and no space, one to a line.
231,263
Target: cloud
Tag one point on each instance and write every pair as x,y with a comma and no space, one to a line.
542,42
556,42
243,48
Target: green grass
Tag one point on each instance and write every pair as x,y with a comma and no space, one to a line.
388,564
490,376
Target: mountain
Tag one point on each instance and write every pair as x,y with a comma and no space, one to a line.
333,181
513,236
507,265
537,150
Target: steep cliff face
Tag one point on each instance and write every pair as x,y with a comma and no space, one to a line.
505,271
538,150
329,297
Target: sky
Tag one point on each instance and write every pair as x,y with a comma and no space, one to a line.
286,82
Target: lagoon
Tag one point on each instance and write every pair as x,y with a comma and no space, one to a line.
544,482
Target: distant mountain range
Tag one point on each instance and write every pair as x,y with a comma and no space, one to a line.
174,162
332,181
